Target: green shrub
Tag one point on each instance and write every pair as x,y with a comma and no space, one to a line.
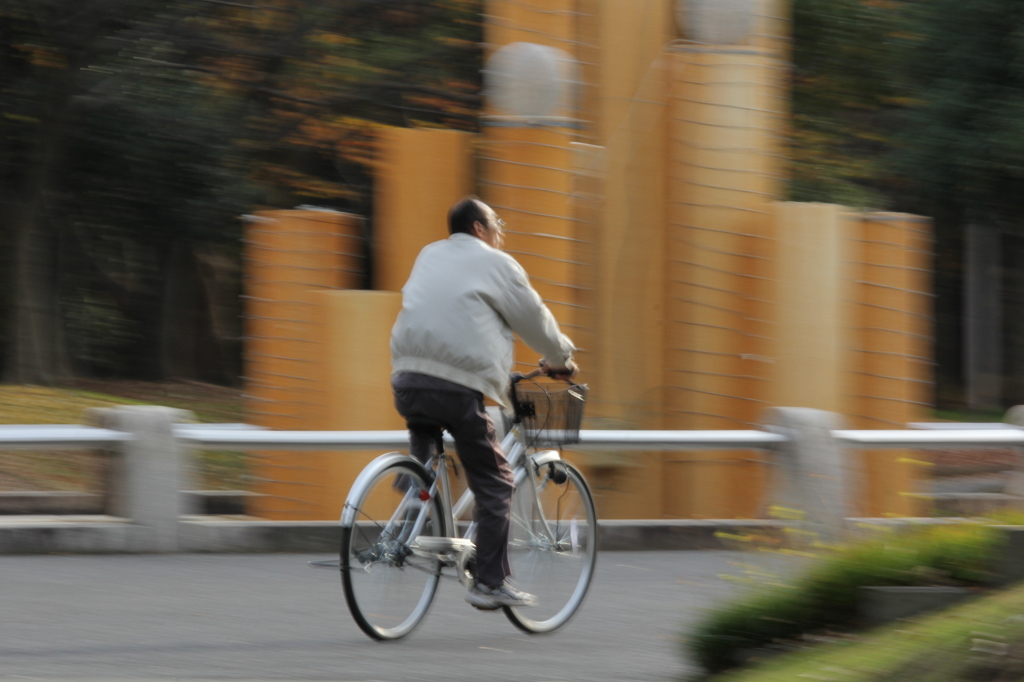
826,595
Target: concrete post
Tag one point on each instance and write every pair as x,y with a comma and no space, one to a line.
811,475
148,474
1015,483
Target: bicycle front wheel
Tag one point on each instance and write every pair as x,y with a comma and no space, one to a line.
388,586
552,544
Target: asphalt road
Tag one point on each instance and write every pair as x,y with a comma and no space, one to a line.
271,617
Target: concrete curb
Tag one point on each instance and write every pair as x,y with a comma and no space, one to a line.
879,605
677,534
107,534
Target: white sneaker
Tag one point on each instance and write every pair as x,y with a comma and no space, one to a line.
491,598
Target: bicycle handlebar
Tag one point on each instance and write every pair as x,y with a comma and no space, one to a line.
516,377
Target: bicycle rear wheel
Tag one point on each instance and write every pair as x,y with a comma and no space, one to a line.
552,545
388,587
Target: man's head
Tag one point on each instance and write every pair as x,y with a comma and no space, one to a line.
472,216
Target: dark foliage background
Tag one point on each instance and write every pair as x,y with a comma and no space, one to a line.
917,106
135,132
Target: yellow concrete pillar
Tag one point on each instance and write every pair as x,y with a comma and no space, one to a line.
624,359
773,28
853,331
286,254
814,284
352,339
289,254
852,320
528,180
418,175
632,128
527,170
549,188
890,364
724,167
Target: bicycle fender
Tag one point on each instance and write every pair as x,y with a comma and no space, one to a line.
369,472
546,457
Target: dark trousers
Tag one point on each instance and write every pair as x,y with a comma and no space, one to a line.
430,404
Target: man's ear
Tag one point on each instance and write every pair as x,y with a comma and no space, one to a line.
478,229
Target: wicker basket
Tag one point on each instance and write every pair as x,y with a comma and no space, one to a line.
550,414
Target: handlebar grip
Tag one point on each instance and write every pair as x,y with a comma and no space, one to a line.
516,377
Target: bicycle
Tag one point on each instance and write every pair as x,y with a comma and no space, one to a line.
401,532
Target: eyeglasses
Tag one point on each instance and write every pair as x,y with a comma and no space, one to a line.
500,223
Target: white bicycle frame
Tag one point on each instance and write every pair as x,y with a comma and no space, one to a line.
520,462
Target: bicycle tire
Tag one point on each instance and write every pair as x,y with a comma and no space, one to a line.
555,566
387,586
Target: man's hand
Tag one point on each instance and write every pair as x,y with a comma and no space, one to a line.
567,372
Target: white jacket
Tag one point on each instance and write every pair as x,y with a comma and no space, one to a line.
460,306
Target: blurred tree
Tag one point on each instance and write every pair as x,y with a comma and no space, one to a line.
314,78
134,132
846,99
960,153
46,48
150,197
919,106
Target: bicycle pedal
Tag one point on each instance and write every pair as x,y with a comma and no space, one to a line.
430,544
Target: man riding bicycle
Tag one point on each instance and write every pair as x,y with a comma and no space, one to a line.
450,347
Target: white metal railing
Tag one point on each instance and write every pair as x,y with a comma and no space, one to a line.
938,439
63,436
240,439
236,439
245,437
153,456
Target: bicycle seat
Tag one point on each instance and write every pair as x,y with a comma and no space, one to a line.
429,426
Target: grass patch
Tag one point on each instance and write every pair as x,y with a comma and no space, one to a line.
78,470
826,596
41,405
44,405
969,416
209,403
980,640
60,470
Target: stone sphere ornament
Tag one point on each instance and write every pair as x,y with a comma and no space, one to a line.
530,80
717,22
